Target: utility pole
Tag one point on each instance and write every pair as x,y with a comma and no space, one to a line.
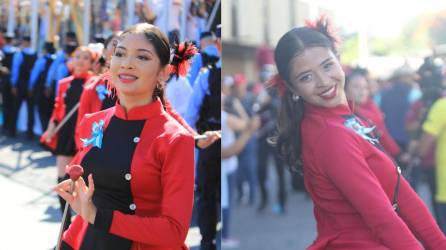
34,23
11,19
86,23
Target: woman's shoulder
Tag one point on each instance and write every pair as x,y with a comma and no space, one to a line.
96,117
66,80
172,128
317,125
92,82
319,130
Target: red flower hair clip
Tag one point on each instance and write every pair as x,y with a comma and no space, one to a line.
182,54
323,25
277,82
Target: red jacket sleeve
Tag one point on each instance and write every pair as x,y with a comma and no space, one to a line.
170,228
419,219
343,162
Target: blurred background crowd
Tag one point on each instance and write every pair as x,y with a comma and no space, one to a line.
37,41
394,66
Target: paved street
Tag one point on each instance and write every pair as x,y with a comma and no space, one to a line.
294,230
29,215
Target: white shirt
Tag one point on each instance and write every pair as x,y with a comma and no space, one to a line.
178,92
229,165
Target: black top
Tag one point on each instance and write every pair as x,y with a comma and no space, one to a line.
110,166
66,145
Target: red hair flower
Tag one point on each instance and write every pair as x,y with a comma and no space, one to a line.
277,82
182,54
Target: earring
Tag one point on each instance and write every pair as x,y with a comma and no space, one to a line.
295,97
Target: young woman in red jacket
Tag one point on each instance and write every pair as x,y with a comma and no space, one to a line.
358,94
360,199
138,159
68,95
97,94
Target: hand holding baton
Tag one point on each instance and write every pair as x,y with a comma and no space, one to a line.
74,171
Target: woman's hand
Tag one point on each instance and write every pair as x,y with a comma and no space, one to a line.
81,199
211,137
50,131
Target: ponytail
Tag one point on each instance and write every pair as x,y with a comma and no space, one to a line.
288,138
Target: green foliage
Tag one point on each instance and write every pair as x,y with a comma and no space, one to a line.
349,51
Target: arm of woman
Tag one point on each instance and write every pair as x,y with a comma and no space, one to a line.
419,219
342,160
178,117
237,123
170,228
241,140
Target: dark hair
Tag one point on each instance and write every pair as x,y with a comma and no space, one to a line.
111,37
431,80
354,74
49,48
70,47
161,44
293,43
162,48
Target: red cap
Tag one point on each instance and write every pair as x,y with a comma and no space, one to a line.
239,79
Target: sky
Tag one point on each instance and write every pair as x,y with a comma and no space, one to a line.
381,18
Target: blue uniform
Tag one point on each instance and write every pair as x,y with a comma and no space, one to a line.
8,101
38,68
53,75
16,64
197,62
200,89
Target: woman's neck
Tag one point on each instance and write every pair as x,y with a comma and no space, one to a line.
130,102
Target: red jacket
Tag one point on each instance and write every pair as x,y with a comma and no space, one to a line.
352,182
369,110
59,106
90,102
162,182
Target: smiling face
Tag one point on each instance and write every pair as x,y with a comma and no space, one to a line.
135,67
82,61
317,77
357,89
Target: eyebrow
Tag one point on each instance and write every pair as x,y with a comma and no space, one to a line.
322,63
145,50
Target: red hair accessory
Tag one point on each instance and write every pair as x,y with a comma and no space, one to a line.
182,54
277,82
323,26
